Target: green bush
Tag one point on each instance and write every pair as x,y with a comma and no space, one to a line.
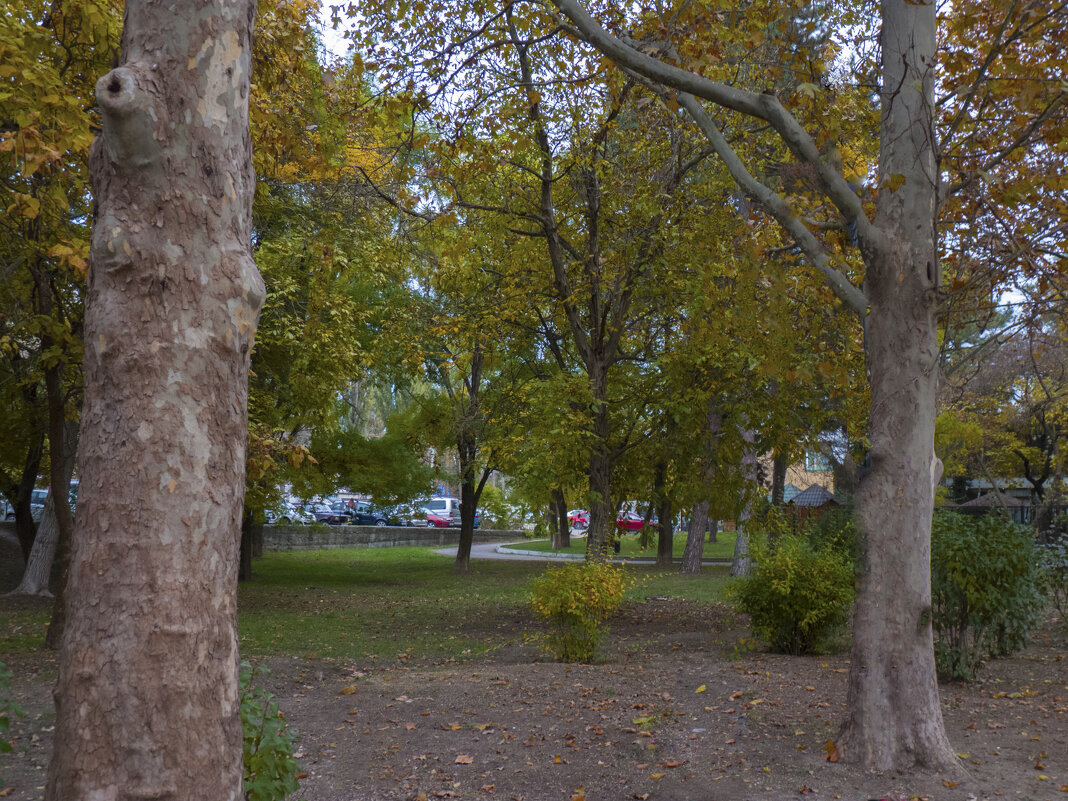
801,588
984,590
270,768
577,599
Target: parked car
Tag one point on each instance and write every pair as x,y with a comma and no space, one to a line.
288,514
445,507
332,513
409,514
364,513
578,519
438,519
630,521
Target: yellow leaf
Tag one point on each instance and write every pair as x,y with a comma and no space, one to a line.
700,689
348,690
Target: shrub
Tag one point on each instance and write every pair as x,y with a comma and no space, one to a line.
984,590
270,768
577,599
799,593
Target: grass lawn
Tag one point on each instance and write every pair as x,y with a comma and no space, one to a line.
723,548
390,601
383,602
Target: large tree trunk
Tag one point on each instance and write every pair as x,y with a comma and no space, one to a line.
895,716
147,702
35,577
695,540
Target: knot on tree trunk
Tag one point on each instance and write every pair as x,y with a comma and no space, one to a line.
129,120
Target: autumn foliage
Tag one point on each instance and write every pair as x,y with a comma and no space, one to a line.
577,599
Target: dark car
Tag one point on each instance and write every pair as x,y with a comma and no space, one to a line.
364,513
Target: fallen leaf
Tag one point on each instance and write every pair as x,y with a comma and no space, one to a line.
643,766
832,751
656,775
349,690
409,726
737,694
298,777
643,721
464,759
483,726
672,763
700,689
948,784
9,790
578,795
488,788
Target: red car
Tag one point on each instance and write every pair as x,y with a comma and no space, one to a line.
438,519
578,518
630,521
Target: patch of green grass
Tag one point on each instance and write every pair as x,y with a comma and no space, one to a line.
630,545
23,630
383,602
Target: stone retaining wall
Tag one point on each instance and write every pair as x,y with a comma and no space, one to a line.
312,538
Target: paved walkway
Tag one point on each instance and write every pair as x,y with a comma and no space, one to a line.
515,551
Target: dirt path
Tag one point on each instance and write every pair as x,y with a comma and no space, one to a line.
639,726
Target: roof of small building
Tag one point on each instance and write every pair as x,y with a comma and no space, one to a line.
815,495
995,499
789,492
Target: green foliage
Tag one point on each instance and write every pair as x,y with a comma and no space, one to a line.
984,590
8,709
801,587
270,769
577,599
494,508
1053,570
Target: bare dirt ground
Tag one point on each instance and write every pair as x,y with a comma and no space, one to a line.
682,709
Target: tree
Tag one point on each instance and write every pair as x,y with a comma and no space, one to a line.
147,694
894,714
50,51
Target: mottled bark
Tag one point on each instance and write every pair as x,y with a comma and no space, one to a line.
695,540
147,699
